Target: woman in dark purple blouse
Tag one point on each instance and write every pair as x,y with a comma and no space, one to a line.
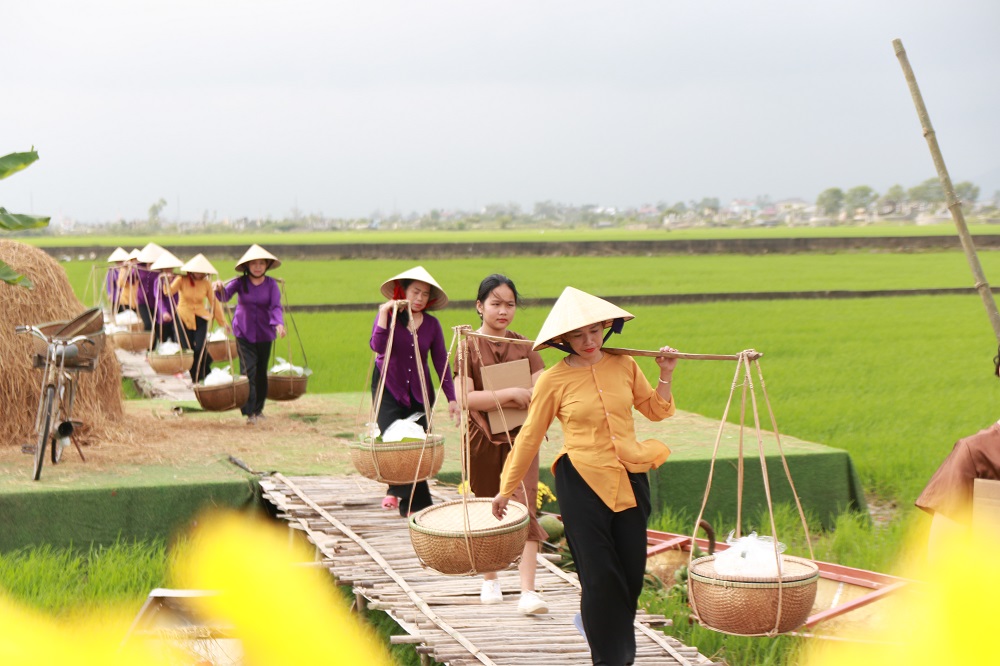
258,320
403,395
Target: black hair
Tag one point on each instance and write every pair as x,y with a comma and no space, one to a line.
491,282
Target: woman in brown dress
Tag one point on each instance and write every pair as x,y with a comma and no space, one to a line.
496,303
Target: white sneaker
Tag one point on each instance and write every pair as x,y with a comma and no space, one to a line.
491,593
531,603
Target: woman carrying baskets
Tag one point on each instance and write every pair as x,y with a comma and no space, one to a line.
496,304
403,394
258,319
600,471
196,305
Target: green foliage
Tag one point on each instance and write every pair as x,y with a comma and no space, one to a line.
11,164
66,582
860,197
830,201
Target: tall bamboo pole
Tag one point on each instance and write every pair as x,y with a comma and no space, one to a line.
954,205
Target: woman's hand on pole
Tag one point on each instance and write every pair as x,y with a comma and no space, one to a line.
280,330
167,317
500,506
667,366
455,411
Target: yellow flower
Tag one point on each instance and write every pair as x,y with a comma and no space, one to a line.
545,494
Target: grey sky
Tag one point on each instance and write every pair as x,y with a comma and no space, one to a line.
249,108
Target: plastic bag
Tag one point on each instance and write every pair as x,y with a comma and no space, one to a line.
283,367
751,555
407,428
218,335
126,318
219,376
167,348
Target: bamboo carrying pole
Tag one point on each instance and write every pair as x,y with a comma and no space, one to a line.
954,205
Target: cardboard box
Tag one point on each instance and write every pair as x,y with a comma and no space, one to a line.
985,506
506,375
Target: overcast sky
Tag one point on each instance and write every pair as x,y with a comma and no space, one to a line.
236,108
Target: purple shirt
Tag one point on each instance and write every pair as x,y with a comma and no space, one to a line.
402,380
111,285
258,308
146,293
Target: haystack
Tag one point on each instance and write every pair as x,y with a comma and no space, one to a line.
99,401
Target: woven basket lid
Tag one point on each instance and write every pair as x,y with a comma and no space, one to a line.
438,295
575,309
120,254
450,517
257,252
199,264
150,253
167,261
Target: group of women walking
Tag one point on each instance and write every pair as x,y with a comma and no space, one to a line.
600,472
181,307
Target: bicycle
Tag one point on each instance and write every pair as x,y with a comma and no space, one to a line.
58,390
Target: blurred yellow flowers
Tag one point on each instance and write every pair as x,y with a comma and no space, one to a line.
282,609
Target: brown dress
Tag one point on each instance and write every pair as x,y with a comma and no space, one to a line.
488,452
950,489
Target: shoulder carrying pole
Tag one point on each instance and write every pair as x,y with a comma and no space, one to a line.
954,205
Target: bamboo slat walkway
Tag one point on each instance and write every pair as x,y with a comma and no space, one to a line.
369,548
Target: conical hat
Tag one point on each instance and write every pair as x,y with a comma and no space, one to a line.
575,309
150,253
120,254
256,252
439,298
134,254
199,264
167,261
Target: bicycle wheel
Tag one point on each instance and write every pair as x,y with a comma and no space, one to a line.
44,430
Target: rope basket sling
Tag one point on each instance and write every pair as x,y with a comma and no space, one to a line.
397,463
228,396
169,364
287,386
134,339
463,537
744,605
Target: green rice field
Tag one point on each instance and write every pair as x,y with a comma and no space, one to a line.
494,235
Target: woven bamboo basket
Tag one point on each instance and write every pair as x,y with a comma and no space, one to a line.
464,538
746,606
133,341
223,397
217,350
286,387
398,463
170,364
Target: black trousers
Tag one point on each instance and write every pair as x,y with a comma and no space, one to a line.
390,411
195,341
609,549
254,357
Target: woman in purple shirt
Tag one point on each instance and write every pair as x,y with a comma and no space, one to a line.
403,394
256,323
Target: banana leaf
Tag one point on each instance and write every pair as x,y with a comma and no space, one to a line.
14,162
20,221
10,276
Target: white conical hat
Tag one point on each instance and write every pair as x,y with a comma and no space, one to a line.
199,264
134,254
167,261
150,253
438,298
257,252
120,254
575,309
